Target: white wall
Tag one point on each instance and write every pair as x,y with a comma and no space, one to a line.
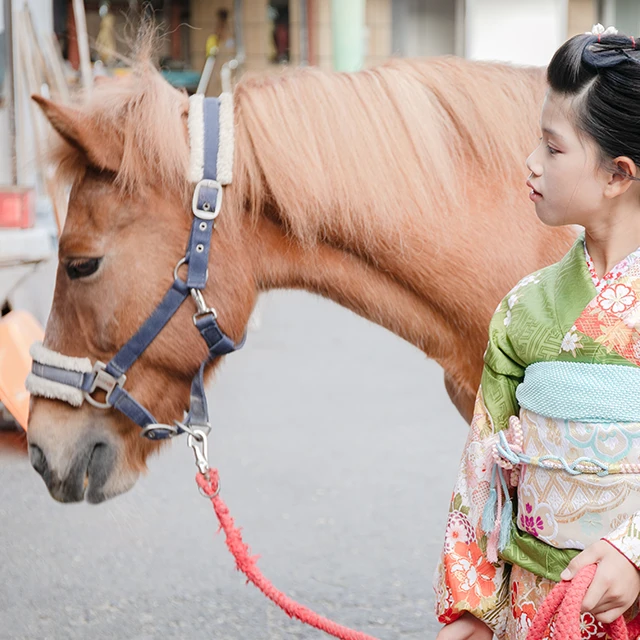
520,31
424,27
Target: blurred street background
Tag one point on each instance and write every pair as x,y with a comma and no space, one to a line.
337,449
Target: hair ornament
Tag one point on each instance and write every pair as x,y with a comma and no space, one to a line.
599,30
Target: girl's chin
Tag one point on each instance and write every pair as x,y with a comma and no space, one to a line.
548,218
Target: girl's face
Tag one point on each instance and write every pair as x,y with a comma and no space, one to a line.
566,180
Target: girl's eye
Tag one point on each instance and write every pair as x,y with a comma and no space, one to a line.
82,267
550,149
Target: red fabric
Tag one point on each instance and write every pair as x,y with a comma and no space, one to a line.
248,565
562,606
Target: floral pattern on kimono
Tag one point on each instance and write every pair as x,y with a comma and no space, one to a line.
468,581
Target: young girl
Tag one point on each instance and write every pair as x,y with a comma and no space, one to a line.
550,476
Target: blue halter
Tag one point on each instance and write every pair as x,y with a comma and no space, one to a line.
111,377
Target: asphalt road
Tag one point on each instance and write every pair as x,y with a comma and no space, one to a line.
337,448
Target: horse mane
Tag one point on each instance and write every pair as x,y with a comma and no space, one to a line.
392,141
325,149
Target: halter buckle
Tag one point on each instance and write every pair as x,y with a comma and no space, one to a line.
104,381
208,210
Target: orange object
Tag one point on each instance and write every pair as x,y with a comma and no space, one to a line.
16,207
18,331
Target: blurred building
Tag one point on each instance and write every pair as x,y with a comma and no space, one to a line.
302,31
268,33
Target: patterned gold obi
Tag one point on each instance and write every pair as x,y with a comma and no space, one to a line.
577,467
571,510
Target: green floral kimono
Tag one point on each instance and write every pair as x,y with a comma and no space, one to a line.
552,462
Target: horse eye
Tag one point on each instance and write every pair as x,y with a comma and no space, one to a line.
82,267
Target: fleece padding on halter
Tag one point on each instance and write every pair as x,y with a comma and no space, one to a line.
54,359
205,114
73,375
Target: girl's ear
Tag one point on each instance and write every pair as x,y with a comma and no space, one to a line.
625,170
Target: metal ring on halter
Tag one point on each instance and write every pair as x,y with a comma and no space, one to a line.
177,267
152,428
103,381
191,430
184,261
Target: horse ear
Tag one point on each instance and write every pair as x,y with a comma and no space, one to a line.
103,149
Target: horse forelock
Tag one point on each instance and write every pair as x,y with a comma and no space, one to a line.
145,117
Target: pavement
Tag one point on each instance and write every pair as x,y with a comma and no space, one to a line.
337,448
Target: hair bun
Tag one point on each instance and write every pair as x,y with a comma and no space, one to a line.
603,50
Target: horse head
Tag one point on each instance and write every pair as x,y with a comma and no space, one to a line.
124,156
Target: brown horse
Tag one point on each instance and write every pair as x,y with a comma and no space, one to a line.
398,192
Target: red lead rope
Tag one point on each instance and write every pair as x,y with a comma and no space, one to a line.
248,565
562,606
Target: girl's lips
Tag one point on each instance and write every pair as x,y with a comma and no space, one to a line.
534,195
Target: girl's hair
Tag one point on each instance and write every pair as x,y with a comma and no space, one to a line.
603,74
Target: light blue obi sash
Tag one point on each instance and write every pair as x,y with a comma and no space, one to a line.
581,392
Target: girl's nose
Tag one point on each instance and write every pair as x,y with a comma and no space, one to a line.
532,165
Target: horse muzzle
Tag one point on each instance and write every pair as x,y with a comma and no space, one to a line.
86,477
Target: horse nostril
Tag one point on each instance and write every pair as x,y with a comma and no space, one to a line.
101,462
38,461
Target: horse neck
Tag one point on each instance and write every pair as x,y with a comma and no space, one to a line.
438,295
405,239
362,282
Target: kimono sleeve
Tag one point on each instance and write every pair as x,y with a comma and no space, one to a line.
465,580
626,539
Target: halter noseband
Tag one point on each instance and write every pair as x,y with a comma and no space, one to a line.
74,380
